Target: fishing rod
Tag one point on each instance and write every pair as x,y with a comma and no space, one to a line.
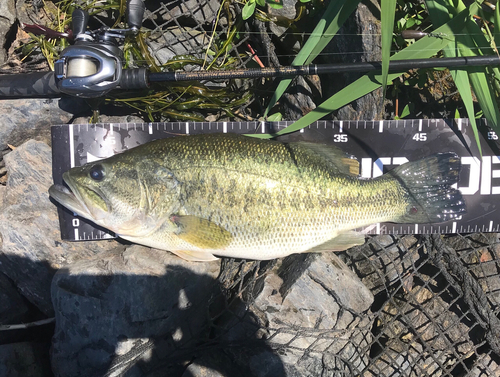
93,65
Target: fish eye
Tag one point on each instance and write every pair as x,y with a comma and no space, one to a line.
97,172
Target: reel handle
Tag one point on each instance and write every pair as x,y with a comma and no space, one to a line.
80,19
135,13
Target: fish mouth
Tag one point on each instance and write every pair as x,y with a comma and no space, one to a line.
69,200
81,200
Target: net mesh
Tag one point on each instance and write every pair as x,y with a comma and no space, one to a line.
436,301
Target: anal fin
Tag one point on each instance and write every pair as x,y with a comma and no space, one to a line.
195,256
342,242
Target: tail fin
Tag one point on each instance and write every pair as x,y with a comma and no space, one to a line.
427,183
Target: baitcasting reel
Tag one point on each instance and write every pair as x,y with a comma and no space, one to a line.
93,65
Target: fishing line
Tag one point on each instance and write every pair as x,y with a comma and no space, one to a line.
323,54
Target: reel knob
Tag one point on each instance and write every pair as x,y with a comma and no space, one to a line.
135,13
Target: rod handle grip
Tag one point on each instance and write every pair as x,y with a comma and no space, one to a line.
32,85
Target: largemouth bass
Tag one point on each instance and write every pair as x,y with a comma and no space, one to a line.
229,195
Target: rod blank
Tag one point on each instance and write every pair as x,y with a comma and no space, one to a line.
314,69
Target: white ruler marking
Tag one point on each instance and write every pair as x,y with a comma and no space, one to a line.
420,125
454,227
71,147
381,126
150,128
77,236
187,128
341,126
490,229
224,127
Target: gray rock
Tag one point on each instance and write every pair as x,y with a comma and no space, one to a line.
105,118
25,359
174,41
30,246
298,99
287,13
8,12
420,316
482,261
212,364
309,308
197,370
27,10
24,119
412,361
127,310
486,366
384,260
357,40
13,308
201,11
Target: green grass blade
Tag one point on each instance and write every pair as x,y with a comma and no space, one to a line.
330,23
388,11
470,42
496,21
461,79
424,48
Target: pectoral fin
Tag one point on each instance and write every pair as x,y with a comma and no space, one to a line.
195,256
201,233
341,242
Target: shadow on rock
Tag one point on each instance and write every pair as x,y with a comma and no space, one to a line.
141,312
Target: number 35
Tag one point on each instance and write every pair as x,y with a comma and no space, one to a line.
340,138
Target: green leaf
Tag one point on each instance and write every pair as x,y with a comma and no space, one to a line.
387,12
248,9
410,22
276,117
261,3
405,112
329,24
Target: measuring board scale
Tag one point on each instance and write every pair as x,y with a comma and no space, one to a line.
378,146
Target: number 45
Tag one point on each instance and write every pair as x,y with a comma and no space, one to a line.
422,136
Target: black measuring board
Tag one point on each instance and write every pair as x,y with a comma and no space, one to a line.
378,145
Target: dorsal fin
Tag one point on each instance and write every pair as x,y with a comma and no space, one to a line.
338,160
